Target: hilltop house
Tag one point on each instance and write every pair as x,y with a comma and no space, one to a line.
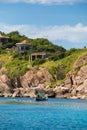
23,47
3,39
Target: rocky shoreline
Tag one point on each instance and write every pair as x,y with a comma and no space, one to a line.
38,80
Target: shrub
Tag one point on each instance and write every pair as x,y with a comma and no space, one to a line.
2,51
8,45
38,62
16,67
57,56
71,51
58,72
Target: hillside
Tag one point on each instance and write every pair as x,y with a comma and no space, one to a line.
17,64
56,74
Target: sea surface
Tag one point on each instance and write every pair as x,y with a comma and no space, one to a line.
54,114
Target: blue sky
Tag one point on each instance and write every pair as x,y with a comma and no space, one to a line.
64,22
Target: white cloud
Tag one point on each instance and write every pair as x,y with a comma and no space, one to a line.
46,1
67,33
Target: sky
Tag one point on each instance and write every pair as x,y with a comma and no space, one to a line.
63,22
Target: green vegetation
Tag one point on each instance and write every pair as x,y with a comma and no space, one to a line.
59,62
2,51
61,67
58,72
16,37
16,67
41,44
57,56
38,62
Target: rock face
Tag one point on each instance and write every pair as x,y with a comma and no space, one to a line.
28,85
81,81
32,82
39,80
35,77
76,85
21,92
5,84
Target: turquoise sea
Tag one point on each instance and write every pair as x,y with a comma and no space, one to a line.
54,114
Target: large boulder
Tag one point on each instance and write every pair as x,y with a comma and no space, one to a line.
34,77
5,84
50,92
62,92
21,92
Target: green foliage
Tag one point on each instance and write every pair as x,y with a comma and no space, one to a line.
71,51
2,51
16,37
57,56
58,72
38,62
16,67
59,63
8,45
61,67
15,54
17,63
41,44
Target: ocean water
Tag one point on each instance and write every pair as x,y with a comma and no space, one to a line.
54,114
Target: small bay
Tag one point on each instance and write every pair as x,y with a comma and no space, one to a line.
53,114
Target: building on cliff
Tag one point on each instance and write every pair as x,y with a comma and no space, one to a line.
23,47
40,55
4,39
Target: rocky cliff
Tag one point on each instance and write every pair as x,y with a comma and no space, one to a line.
36,79
39,79
5,84
75,85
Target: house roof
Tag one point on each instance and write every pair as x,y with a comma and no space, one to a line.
38,53
1,36
25,42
